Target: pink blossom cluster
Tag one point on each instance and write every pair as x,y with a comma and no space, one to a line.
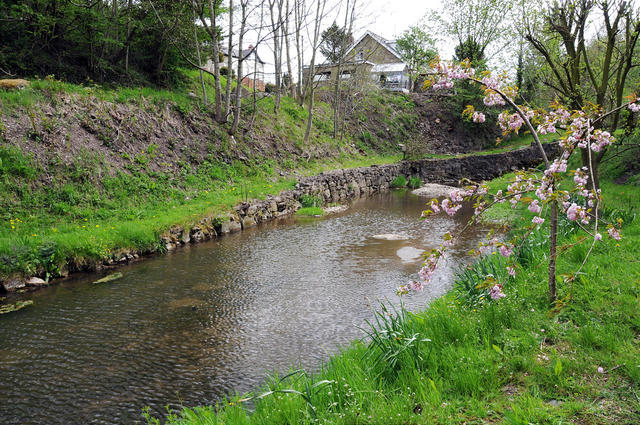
535,207
558,166
506,250
537,220
450,208
496,292
510,122
478,117
600,139
556,118
427,270
449,72
635,107
491,98
577,212
614,233
581,177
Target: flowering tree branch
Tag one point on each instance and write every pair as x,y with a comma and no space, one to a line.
577,130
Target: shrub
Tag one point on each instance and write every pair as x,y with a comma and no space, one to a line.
399,181
414,182
309,201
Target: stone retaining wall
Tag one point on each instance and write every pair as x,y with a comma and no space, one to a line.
333,186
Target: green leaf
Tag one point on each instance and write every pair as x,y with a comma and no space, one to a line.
558,368
498,350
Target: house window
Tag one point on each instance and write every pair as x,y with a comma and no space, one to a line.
345,75
322,76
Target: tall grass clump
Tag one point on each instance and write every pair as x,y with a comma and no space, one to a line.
399,182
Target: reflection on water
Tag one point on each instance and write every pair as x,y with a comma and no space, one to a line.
210,319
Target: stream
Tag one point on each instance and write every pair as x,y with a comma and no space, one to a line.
213,318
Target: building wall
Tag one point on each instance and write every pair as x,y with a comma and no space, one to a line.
372,51
248,66
359,71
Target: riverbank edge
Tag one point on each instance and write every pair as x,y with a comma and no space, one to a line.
335,186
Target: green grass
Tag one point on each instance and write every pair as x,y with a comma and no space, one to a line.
399,182
310,211
43,227
512,361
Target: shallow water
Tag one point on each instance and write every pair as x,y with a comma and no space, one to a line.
213,318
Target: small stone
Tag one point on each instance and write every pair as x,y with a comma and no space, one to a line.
13,284
36,281
248,222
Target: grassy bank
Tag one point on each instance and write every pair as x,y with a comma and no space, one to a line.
89,172
84,222
468,359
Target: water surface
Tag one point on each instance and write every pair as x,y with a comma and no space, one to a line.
213,318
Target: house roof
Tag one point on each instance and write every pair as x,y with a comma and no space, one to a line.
387,44
245,53
389,67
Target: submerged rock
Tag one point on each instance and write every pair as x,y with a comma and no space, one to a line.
391,237
409,254
109,278
193,303
8,308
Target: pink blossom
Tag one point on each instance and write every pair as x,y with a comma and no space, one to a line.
558,166
450,210
600,369
537,220
505,250
635,107
434,206
573,212
613,233
597,237
580,178
534,207
478,117
511,271
600,140
496,292
492,98
416,286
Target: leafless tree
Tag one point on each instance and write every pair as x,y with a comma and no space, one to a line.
320,9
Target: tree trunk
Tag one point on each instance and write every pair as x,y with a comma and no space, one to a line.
299,8
227,100
316,37
553,244
237,110
216,58
195,36
291,88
